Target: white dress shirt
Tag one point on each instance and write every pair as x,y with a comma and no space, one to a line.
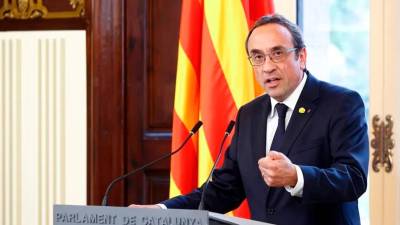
272,124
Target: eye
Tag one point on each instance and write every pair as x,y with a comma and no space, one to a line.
277,53
258,57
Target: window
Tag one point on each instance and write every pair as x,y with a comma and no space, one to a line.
336,34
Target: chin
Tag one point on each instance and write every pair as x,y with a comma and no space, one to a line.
272,94
279,98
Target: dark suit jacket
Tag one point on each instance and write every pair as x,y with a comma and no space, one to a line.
330,144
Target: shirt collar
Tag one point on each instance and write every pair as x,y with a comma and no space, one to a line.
290,101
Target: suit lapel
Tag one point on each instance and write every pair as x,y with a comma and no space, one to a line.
259,123
307,101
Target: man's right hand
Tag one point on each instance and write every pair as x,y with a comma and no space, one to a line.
145,206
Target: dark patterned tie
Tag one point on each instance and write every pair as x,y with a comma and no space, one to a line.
280,131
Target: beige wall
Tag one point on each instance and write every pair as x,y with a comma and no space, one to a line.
286,8
42,124
384,94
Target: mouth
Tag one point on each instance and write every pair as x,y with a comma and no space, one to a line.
272,79
272,82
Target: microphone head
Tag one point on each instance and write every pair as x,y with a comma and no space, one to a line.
230,127
196,127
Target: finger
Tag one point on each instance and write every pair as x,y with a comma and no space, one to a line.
270,173
271,164
274,155
263,162
267,163
263,171
144,206
270,181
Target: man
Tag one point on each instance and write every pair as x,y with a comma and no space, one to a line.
300,152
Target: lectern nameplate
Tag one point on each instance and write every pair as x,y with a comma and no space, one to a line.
108,215
98,215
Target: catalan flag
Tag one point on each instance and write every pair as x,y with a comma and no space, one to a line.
213,80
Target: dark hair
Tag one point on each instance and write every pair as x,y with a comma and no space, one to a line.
297,37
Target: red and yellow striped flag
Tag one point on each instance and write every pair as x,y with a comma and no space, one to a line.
213,80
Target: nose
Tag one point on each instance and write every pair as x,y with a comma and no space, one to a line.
268,65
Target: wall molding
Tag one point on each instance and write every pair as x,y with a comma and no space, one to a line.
34,9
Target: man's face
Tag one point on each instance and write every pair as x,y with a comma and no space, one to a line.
279,79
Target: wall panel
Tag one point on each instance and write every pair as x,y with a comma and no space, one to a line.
43,121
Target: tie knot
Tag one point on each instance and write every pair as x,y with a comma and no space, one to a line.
281,109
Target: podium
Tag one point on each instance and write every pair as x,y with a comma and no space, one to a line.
102,215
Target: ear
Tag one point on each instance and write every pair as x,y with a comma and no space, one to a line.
303,58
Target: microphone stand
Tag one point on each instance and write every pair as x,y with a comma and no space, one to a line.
110,186
227,132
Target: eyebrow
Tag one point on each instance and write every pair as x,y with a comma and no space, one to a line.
279,47
255,51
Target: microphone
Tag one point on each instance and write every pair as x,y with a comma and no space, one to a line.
227,132
108,190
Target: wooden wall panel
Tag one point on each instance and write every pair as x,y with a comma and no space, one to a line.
156,186
131,57
152,37
135,61
162,38
107,100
